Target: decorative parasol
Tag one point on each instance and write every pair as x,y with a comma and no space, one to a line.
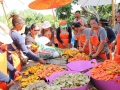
48,4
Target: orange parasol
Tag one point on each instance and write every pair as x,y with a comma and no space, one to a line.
48,4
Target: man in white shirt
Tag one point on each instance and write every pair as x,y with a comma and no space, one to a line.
80,19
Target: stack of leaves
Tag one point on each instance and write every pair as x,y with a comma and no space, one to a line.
69,53
33,69
29,76
48,70
71,80
41,85
78,57
107,70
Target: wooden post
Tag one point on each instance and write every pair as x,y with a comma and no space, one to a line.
1,1
113,13
54,18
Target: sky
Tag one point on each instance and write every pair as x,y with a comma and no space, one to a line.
23,4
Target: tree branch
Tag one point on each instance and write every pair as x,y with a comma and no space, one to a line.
86,10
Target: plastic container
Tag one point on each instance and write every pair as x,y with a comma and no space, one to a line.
54,76
107,85
81,66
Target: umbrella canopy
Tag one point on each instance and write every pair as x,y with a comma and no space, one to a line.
48,4
101,2
96,2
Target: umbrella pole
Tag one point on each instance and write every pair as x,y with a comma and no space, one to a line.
113,14
54,18
4,11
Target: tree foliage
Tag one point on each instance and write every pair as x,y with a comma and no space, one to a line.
64,12
31,17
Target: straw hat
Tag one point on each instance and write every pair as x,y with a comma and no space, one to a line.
4,34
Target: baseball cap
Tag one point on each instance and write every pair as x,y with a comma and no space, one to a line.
63,23
4,34
46,24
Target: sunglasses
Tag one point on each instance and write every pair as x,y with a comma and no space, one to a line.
37,30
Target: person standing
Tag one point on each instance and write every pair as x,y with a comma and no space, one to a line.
97,43
116,42
110,35
18,41
83,36
64,35
80,19
5,81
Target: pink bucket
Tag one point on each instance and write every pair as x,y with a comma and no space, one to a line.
107,85
81,65
54,76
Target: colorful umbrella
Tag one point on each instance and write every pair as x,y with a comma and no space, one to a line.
48,4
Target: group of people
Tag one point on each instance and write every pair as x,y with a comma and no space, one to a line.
98,40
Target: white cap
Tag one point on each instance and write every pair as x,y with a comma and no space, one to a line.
4,34
46,24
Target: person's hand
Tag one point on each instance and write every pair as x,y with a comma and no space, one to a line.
113,46
42,61
81,50
11,83
18,73
64,44
94,55
90,54
70,45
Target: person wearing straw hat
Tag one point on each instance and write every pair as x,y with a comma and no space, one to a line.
47,31
64,35
5,81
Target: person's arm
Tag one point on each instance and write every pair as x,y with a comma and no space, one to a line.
58,35
52,36
90,48
70,34
86,42
28,40
20,42
116,28
85,22
87,38
10,67
103,36
112,35
13,70
100,47
4,78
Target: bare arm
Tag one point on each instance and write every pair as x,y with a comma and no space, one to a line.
100,47
90,48
86,42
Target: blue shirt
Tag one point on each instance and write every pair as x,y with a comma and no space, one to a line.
19,42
